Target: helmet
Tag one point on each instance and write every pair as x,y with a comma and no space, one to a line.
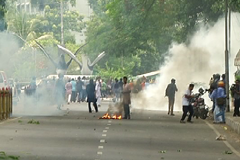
221,84
201,90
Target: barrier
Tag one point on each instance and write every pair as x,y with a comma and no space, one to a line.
5,103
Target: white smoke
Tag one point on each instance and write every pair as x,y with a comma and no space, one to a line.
195,62
20,63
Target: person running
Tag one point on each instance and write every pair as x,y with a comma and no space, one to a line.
187,107
170,93
91,97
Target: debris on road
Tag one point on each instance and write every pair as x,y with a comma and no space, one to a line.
33,122
164,151
4,156
228,152
221,138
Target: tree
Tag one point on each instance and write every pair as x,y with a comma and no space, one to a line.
45,28
2,13
146,28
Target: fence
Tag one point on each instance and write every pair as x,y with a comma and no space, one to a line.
5,103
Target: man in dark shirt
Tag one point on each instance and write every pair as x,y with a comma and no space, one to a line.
170,93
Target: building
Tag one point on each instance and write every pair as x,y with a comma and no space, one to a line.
26,6
83,7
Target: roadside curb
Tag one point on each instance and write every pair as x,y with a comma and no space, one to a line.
233,124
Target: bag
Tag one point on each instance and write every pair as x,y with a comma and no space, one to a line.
221,101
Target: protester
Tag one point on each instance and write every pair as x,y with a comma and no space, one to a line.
143,82
91,97
84,93
214,85
60,91
219,110
109,87
79,89
117,91
170,93
104,89
68,88
120,86
126,98
33,86
98,91
236,96
74,90
187,107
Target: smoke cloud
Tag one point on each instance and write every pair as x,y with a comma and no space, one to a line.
22,63
195,62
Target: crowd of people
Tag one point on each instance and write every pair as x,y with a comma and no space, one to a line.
92,91
217,94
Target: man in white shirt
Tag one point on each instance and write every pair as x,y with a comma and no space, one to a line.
187,107
98,91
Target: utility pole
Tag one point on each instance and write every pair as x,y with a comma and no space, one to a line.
226,56
229,30
62,36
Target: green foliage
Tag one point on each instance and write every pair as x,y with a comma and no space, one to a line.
2,13
3,155
117,67
147,27
46,29
33,122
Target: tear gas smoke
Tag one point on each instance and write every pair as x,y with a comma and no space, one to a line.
21,63
195,62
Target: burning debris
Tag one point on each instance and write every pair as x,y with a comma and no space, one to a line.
114,112
107,116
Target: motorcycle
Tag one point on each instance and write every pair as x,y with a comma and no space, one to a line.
200,109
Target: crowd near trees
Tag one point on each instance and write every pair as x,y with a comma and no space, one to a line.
135,34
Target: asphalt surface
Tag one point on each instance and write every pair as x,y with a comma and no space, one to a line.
75,134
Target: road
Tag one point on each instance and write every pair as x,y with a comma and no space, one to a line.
75,134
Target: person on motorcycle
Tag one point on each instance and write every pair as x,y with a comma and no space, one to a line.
219,108
170,93
187,107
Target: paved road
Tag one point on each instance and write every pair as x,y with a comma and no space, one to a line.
75,134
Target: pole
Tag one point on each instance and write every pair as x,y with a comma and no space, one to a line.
62,36
35,61
226,56
229,31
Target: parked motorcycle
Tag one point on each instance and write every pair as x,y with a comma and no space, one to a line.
200,109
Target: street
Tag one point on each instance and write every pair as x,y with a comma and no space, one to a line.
75,134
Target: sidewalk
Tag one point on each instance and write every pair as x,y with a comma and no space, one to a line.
233,122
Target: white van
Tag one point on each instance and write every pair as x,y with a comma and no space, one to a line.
3,80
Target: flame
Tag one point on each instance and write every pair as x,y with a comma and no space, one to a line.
107,116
